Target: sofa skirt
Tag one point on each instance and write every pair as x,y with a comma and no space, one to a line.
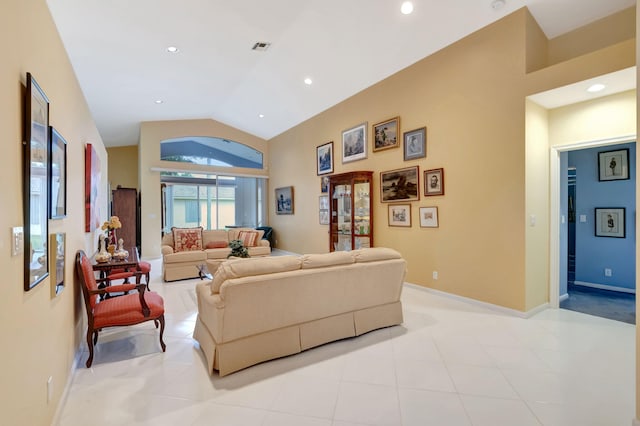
228,357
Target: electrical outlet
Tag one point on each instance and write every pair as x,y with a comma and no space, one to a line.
435,275
607,272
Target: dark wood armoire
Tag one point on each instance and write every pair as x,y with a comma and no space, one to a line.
124,204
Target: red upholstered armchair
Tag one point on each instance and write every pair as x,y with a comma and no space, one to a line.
123,310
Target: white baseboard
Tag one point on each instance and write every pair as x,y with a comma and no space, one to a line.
606,287
502,309
563,297
67,387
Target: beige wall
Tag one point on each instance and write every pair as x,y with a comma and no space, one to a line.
123,166
603,118
484,248
151,134
536,218
40,333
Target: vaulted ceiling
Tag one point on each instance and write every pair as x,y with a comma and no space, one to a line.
118,49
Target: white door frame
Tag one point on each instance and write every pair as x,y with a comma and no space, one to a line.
554,206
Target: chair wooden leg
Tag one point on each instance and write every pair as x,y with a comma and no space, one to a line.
95,336
90,343
155,321
161,319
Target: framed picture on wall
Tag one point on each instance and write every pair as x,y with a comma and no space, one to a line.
613,165
386,134
428,217
284,200
35,184
323,209
324,159
610,222
324,184
354,143
415,144
434,182
400,215
58,175
400,185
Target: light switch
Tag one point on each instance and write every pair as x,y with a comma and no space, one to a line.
562,219
583,218
17,240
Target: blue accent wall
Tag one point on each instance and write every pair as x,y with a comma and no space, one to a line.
594,254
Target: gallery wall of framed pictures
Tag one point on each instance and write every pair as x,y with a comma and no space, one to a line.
396,185
44,189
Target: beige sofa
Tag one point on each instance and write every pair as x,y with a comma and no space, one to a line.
255,310
184,264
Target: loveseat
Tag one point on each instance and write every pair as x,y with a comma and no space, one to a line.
186,249
260,309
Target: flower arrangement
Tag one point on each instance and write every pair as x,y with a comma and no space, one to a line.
109,227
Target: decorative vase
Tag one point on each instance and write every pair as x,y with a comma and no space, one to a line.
121,253
103,255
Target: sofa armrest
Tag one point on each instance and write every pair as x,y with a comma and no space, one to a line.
166,250
263,243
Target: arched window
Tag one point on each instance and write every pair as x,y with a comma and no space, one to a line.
210,151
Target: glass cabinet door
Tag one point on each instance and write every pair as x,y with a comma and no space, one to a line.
351,225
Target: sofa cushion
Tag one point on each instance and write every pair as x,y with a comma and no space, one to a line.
248,238
216,244
323,260
237,268
374,254
187,239
234,232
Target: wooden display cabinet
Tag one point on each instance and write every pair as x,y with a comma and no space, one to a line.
351,212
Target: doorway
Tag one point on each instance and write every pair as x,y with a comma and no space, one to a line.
598,277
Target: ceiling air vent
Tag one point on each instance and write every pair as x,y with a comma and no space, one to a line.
261,46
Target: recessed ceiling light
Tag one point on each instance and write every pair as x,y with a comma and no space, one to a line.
308,81
261,115
406,8
159,101
497,4
172,49
596,88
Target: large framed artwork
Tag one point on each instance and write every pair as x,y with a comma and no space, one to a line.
354,143
613,165
284,200
400,185
610,222
35,183
58,175
324,159
415,144
91,185
386,134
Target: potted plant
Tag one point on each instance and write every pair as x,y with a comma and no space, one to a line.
237,249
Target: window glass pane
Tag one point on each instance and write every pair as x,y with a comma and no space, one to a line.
213,203
191,210
210,152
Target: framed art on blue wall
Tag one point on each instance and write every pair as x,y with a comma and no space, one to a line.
613,165
610,222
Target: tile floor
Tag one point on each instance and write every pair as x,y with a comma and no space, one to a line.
450,363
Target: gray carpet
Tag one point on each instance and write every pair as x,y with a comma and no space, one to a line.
602,303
